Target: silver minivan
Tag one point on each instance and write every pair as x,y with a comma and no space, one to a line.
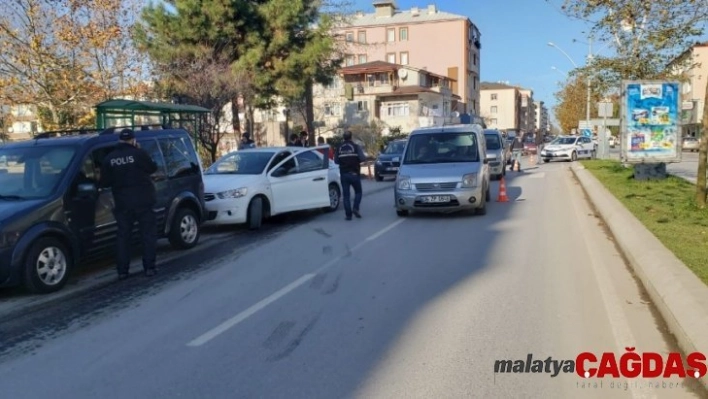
496,153
444,169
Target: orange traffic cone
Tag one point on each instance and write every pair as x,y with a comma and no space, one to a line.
502,191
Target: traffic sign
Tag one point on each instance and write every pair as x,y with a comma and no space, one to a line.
586,132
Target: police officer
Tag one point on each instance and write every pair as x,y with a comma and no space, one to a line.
126,170
349,158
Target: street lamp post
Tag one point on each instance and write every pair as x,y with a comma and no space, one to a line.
589,82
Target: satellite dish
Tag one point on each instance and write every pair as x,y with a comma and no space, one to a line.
403,73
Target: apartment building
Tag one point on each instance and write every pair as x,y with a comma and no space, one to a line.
443,43
500,106
692,67
528,111
397,95
542,122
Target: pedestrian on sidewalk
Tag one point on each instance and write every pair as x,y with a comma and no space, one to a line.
127,171
349,158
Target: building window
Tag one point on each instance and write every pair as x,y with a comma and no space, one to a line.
362,106
362,36
397,109
391,58
403,34
474,57
332,109
494,97
362,58
404,58
391,35
336,83
494,109
349,37
493,122
349,60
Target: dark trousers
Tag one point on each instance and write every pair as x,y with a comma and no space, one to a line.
352,180
125,219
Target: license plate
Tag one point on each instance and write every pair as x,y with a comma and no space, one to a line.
435,199
393,168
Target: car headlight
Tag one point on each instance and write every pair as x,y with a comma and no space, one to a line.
237,193
469,180
403,183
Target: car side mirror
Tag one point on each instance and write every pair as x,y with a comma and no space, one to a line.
486,160
86,190
280,172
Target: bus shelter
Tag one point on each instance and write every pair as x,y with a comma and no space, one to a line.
129,113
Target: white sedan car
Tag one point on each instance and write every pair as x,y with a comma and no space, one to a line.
569,148
250,185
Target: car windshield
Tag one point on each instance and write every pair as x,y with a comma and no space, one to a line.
395,147
442,148
33,172
529,139
241,163
564,141
493,142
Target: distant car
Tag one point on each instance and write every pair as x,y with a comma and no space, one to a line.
496,153
389,160
251,185
569,148
530,146
690,144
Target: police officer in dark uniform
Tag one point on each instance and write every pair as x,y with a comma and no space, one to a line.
349,157
127,171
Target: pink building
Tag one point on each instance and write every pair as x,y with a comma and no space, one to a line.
426,38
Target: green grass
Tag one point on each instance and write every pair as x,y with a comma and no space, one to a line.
665,207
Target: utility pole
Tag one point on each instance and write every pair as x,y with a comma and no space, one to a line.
589,96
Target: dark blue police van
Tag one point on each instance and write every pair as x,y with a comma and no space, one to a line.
54,216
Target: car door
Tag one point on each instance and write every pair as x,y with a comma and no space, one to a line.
588,147
299,182
159,178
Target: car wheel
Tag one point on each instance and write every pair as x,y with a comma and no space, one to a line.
255,213
379,178
573,157
401,212
47,266
488,195
503,171
185,230
546,160
482,210
335,197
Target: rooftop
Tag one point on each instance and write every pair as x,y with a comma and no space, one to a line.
495,86
414,15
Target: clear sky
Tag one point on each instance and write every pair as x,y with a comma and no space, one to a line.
515,36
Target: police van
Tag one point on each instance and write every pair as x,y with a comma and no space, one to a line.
54,216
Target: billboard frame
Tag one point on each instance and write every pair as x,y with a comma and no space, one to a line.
628,124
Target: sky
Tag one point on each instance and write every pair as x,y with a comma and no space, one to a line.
515,36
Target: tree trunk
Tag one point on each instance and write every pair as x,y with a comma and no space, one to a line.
702,160
235,120
310,112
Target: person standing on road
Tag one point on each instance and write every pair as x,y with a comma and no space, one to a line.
321,142
246,142
294,141
517,148
303,139
127,171
349,158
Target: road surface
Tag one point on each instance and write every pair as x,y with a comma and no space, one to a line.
381,307
687,168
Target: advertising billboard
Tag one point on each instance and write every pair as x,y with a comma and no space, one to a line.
651,116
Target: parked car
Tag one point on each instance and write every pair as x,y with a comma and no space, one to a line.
54,215
569,148
497,153
530,146
251,185
690,144
389,160
444,169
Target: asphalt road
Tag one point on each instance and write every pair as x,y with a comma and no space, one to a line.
382,307
687,168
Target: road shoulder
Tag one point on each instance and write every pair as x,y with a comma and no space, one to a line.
680,296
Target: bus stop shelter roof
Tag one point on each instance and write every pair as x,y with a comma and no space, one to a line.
137,106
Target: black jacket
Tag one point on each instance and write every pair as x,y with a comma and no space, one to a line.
127,171
349,157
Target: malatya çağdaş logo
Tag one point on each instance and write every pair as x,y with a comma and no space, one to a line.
628,365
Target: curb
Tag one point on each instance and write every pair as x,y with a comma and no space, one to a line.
102,278
679,295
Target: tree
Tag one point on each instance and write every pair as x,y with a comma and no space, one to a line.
648,37
571,102
63,56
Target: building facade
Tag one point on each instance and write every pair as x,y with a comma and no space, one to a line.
395,95
500,106
542,122
528,111
692,68
443,43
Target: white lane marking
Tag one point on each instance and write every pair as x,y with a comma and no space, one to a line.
260,305
618,321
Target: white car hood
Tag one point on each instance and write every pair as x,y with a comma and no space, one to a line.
559,147
223,182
